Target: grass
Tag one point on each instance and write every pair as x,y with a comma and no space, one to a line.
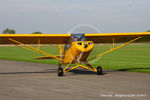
20,54
133,57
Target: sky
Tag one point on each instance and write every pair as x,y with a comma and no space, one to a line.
63,16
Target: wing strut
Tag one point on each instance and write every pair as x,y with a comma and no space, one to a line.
115,48
38,45
60,52
34,49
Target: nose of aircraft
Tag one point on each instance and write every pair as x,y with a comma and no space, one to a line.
84,46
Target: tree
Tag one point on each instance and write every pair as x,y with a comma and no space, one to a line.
148,31
8,31
37,32
12,32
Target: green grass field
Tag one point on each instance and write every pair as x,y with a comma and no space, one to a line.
133,57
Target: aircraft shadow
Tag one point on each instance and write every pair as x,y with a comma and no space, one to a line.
33,72
128,69
75,71
82,71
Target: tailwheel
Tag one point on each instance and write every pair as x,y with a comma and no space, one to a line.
60,71
99,70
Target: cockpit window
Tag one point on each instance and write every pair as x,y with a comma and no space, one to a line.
77,37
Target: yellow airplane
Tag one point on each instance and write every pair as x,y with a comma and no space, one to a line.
77,46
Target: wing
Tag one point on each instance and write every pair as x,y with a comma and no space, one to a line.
117,37
35,38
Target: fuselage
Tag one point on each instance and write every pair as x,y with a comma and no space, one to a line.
78,51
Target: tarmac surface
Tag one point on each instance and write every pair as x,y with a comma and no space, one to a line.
34,81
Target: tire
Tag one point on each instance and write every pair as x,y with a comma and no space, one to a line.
99,70
60,71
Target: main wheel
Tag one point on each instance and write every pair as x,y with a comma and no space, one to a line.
60,71
99,70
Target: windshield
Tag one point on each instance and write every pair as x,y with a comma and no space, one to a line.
77,37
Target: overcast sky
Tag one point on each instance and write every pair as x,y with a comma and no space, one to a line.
61,16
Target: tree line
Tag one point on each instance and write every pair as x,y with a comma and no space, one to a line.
11,31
